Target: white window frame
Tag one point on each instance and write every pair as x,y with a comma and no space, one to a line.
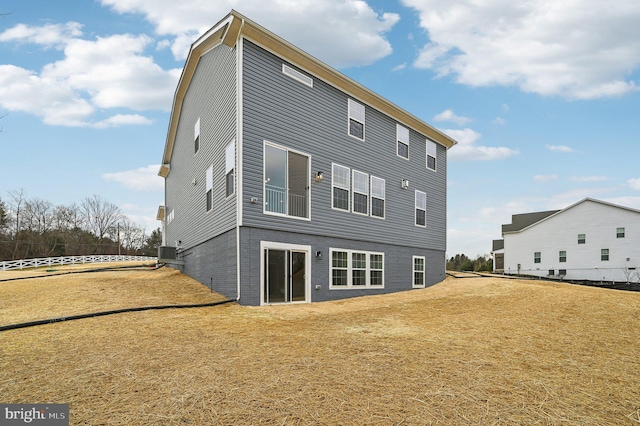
432,151
561,258
171,216
350,269
377,196
196,137
229,167
415,219
208,190
264,182
620,232
340,185
538,257
402,137
297,75
357,113
423,271
363,179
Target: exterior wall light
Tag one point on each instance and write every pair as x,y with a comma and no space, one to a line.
319,255
319,176
405,183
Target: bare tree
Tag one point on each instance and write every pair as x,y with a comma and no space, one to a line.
16,205
132,237
100,217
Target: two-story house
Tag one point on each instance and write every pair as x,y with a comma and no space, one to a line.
590,240
286,181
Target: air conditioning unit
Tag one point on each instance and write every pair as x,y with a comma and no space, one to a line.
166,252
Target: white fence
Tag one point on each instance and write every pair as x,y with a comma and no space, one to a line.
69,260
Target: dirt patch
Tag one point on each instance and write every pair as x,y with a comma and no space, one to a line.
479,351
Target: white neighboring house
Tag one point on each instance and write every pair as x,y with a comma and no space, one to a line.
589,240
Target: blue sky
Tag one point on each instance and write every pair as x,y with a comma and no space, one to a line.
541,95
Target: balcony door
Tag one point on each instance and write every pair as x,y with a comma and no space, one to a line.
286,182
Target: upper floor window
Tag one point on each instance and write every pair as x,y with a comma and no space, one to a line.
356,120
418,271
360,192
562,256
432,153
377,197
196,137
582,238
297,75
619,232
402,137
421,208
537,257
230,161
286,182
209,188
341,185
604,255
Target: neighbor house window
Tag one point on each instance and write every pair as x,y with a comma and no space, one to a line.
582,238
619,232
356,269
604,255
360,192
196,137
432,153
230,161
286,182
418,271
402,137
209,187
356,120
340,184
563,256
537,257
377,197
421,208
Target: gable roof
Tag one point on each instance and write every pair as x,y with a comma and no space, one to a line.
520,222
234,26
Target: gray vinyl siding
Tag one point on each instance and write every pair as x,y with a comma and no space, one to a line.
213,263
281,110
398,266
211,97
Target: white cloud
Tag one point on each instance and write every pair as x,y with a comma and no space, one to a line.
499,120
588,178
141,179
559,148
108,72
449,115
634,184
545,178
466,149
50,35
399,67
349,33
123,120
579,49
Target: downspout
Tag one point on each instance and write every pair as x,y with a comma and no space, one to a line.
239,145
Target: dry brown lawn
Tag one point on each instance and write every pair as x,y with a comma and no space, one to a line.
465,351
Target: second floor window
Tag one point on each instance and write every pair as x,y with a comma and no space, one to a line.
421,208
604,255
582,238
619,232
341,185
286,182
356,120
196,137
402,136
563,256
360,192
537,257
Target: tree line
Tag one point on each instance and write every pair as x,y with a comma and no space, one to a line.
32,227
460,262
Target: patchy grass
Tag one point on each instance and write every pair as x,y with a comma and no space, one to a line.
474,350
